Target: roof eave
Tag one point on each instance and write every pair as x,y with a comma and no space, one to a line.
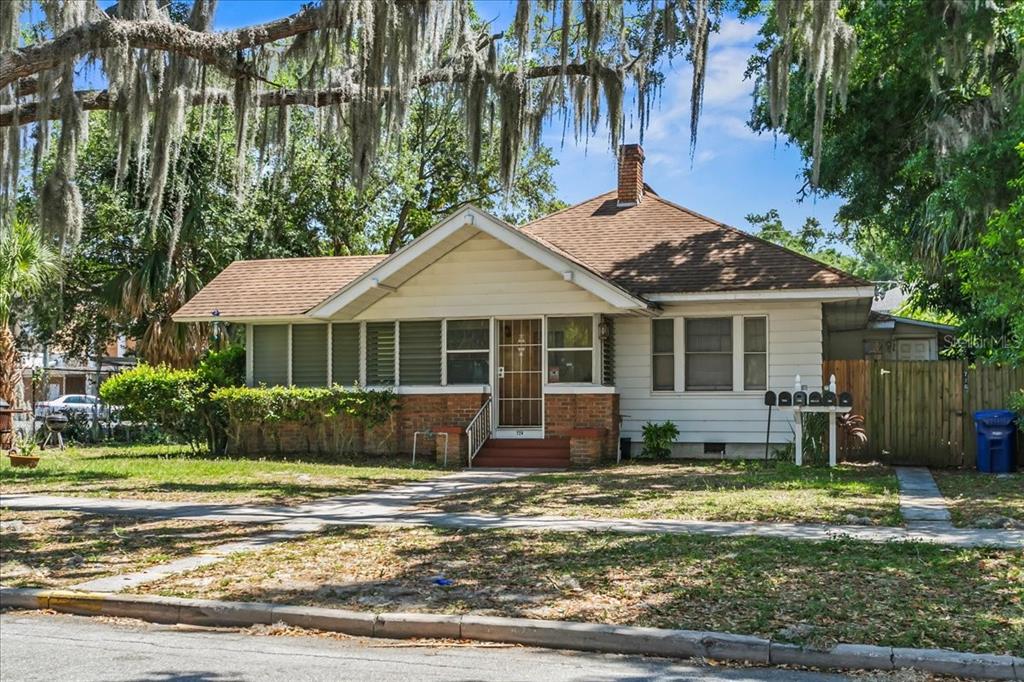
836,293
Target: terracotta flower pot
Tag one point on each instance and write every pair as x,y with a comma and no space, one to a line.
26,461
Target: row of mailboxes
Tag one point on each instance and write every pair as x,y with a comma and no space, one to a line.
825,398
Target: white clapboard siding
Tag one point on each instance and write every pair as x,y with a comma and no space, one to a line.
794,347
481,278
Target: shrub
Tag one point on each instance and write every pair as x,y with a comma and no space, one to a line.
658,439
171,398
265,406
178,400
1017,405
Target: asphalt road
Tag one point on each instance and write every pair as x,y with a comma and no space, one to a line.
58,647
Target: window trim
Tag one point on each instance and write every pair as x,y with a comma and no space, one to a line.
445,351
679,349
743,354
672,353
731,352
592,349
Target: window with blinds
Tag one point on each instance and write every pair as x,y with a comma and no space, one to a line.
270,354
309,355
608,353
420,353
345,353
380,353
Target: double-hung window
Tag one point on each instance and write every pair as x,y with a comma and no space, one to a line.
755,353
708,350
718,353
570,350
663,354
467,347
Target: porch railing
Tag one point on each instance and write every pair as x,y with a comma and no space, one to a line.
478,430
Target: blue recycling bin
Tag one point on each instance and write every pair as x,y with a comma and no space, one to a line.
997,446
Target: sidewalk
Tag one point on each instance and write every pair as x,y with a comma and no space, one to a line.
386,508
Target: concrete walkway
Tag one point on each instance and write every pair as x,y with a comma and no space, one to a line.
921,502
390,512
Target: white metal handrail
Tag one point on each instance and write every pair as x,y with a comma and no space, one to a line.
478,430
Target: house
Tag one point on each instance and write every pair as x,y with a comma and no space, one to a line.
889,336
555,338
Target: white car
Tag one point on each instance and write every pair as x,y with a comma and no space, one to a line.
72,402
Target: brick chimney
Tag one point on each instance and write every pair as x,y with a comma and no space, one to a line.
631,175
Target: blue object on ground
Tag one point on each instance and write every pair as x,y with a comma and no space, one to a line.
443,582
997,447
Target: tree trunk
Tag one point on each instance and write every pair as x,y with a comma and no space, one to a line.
10,365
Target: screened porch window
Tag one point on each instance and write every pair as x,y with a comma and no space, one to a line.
708,353
468,345
663,355
419,353
380,353
570,350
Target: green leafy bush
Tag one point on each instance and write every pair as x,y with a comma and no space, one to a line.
1017,404
178,400
658,439
174,399
267,407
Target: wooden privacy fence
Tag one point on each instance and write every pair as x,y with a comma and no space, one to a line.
921,413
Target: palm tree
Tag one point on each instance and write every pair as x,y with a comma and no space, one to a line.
27,265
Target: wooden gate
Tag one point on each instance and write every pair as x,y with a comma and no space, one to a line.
920,413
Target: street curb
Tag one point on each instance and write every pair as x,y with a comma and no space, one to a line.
543,633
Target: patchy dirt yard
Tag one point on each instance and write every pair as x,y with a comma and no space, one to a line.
58,549
713,491
819,593
983,500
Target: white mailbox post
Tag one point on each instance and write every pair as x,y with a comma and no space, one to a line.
832,411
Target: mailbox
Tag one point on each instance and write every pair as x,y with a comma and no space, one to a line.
845,399
814,398
800,398
770,399
828,398
785,399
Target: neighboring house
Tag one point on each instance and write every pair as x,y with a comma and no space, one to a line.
888,336
576,328
66,375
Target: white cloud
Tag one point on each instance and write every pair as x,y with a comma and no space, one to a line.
734,32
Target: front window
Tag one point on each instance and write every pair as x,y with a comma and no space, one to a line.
709,354
755,353
570,350
380,353
467,347
663,358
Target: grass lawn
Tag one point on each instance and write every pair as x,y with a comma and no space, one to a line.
815,593
58,549
174,473
983,499
720,491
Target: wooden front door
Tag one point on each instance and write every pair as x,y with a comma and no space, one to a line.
520,374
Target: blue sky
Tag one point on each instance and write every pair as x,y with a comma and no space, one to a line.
733,173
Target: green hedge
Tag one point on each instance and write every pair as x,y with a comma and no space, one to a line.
281,403
178,400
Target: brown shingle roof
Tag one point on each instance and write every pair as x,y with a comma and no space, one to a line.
659,247
275,288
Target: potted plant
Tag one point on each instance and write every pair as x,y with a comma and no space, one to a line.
23,454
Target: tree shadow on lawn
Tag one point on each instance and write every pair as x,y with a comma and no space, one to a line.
50,550
810,593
